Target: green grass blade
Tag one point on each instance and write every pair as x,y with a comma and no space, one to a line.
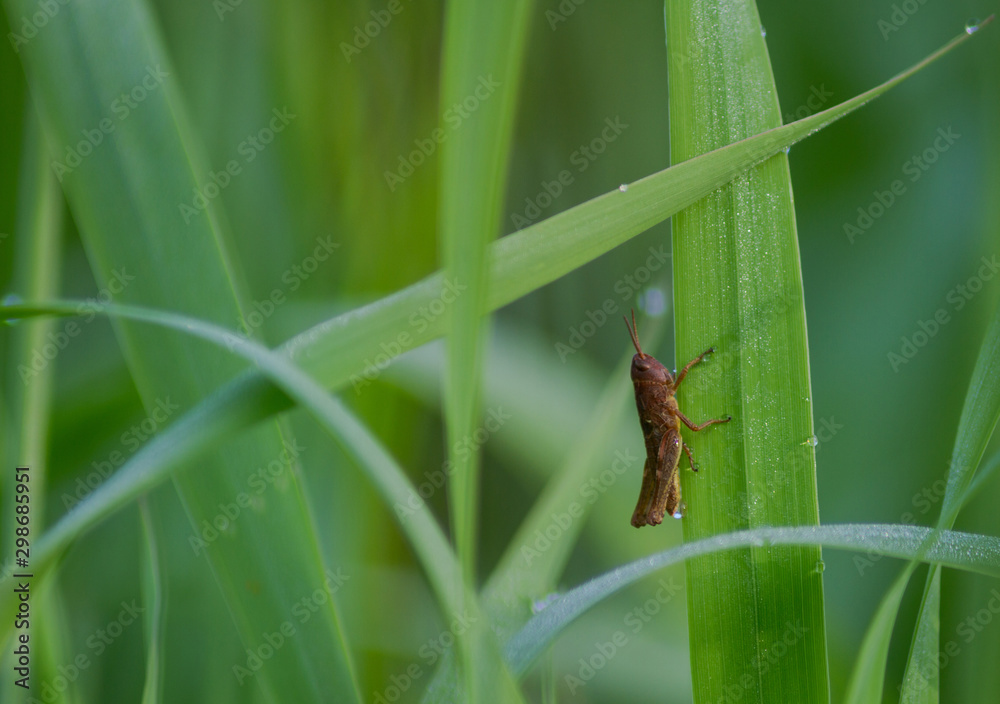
980,415
28,395
520,577
975,553
483,52
337,351
921,685
428,540
155,598
517,579
125,186
868,677
738,288
427,537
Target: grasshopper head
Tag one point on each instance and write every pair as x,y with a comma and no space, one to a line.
646,367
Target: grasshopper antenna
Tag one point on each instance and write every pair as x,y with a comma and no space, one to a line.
633,332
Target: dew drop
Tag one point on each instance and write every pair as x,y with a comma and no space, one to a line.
12,299
653,302
763,32
539,605
812,442
787,149
820,567
623,187
972,26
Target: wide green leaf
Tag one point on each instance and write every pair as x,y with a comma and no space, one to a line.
738,288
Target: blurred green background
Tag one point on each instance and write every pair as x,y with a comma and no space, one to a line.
889,431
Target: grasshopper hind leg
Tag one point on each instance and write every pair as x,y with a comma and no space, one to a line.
667,491
645,496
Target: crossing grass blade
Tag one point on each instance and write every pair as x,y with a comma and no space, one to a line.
429,542
977,424
975,553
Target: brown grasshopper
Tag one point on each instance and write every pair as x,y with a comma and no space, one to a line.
660,419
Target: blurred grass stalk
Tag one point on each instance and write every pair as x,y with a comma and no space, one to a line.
483,52
756,618
28,392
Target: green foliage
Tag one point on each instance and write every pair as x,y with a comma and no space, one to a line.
319,177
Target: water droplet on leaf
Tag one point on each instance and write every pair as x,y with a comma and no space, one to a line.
12,299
